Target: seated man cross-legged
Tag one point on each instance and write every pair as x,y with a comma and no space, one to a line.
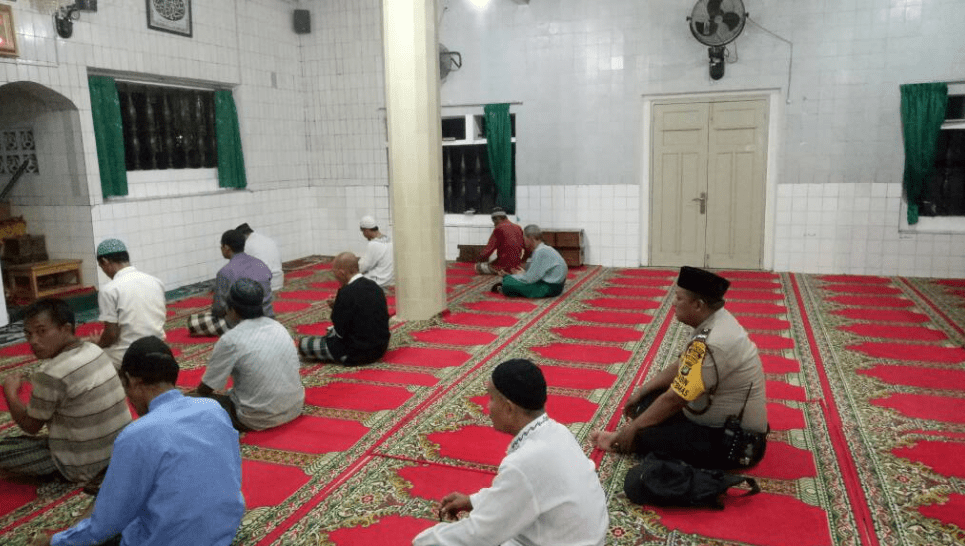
360,319
718,379
175,477
543,277
240,266
76,394
260,356
545,493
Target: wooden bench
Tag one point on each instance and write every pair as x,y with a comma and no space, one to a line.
40,279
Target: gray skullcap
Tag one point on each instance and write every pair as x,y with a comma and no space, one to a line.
703,283
521,382
110,246
368,222
498,211
246,294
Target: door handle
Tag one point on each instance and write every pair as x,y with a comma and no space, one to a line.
703,202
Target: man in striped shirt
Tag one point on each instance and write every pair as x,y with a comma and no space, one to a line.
76,394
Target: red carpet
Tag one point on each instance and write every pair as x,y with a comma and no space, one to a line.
784,462
15,495
921,406
20,349
753,295
857,279
309,434
267,484
583,353
599,333
612,317
503,305
313,329
670,275
564,409
181,336
281,306
912,333
882,315
577,378
328,286
942,457
627,291
779,390
755,308
779,364
356,396
387,531
752,323
763,520
914,376
449,336
907,351
419,356
480,319
311,295
623,303
872,301
951,512
478,444
430,481
855,288
771,342
191,303
782,417
642,281
390,376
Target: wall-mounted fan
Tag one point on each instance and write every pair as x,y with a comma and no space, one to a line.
449,61
716,23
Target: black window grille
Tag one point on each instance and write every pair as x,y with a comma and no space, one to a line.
167,127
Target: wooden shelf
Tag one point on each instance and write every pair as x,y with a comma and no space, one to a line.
41,279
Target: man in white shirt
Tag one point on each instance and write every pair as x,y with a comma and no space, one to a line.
265,249
546,492
376,263
131,305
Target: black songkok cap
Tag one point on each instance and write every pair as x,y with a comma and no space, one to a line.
521,382
707,285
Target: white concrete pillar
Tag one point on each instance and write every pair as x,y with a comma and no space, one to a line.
415,155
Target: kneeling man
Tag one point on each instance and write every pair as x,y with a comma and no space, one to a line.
360,319
260,356
545,274
546,492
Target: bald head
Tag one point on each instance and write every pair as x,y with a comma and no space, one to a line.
345,266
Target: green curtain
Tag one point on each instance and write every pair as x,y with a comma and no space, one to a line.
105,108
231,161
499,148
922,113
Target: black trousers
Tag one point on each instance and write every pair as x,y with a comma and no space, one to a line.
683,439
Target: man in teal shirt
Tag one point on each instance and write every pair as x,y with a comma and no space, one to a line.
545,274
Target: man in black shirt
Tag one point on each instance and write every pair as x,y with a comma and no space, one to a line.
360,319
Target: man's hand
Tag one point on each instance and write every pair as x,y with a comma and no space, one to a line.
452,504
95,336
12,384
629,409
518,270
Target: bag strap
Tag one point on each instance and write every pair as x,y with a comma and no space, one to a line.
731,480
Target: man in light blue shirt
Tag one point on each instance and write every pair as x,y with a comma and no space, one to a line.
545,274
175,477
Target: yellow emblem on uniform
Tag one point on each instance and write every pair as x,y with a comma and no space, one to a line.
689,384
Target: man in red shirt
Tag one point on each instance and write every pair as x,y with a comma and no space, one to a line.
507,242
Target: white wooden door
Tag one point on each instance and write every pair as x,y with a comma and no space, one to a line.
708,179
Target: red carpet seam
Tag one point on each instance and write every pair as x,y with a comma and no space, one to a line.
939,312
32,515
849,471
597,454
368,454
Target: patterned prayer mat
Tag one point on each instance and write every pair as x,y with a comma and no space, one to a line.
864,379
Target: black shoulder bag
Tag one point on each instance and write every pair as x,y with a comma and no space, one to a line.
663,481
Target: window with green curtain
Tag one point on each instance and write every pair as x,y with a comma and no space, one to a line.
500,150
231,160
108,135
922,113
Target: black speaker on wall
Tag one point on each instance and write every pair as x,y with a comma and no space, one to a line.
302,21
